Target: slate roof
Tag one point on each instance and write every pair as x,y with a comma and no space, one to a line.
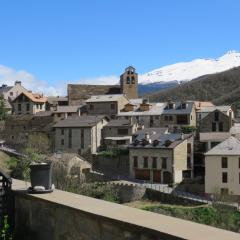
82,121
67,109
177,108
162,141
53,99
155,109
214,136
231,146
4,89
118,123
105,98
140,134
211,109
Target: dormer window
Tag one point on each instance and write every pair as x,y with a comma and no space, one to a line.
170,106
183,106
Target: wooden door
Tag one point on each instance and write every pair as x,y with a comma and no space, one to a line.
157,176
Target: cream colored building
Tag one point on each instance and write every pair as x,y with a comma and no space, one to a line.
29,103
109,105
79,134
222,168
159,158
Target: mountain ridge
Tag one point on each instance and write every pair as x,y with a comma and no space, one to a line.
220,88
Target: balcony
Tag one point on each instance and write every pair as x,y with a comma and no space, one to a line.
68,216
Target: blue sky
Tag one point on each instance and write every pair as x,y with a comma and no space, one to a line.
60,41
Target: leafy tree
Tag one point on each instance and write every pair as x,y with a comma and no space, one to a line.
3,111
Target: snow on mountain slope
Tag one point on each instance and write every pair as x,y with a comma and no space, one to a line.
187,71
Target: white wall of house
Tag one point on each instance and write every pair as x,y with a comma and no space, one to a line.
213,174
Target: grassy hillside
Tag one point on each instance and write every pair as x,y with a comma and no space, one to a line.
221,88
3,162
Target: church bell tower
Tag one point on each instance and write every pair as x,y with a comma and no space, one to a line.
129,83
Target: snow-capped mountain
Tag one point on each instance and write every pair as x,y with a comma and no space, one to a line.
186,71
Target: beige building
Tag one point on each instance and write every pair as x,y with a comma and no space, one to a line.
172,115
222,168
29,103
79,134
62,112
118,133
109,105
160,158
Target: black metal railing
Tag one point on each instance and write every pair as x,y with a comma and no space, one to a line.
6,200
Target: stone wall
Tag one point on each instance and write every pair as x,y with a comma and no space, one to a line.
66,216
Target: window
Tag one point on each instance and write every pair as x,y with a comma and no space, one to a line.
145,162
82,138
59,114
183,106
170,106
69,114
157,117
91,107
28,107
189,148
123,131
164,162
213,144
220,127
239,163
113,106
62,142
62,131
189,162
135,161
200,116
154,162
70,138
166,118
182,119
11,93
40,106
224,177
170,118
128,80
214,128
216,116
24,127
224,162
133,80
19,107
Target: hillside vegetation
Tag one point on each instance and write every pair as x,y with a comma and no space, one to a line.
220,88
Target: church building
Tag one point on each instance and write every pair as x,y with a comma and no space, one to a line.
79,93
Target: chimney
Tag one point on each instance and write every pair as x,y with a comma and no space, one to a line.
18,83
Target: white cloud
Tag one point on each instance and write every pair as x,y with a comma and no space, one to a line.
29,81
104,80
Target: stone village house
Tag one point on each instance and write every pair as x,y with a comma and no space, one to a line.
29,103
118,133
80,135
161,158
222,164
109,105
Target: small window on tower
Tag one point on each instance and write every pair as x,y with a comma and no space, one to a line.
133,80
128,80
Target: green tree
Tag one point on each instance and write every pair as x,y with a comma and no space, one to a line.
3,111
